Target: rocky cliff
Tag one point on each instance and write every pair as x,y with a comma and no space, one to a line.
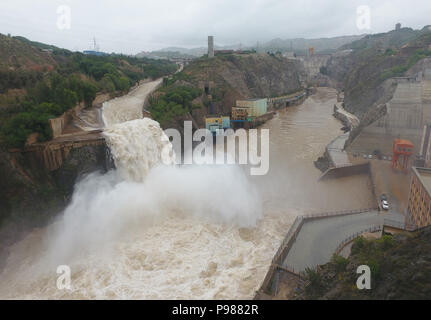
227,78
362,68
33,193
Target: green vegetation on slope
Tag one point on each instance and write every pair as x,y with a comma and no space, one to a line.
46,100
215,84
173,101
374,59
400,269
400,70
54,83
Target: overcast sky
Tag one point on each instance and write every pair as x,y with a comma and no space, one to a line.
131,26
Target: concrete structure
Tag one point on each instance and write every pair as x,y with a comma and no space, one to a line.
320,238
349,120
312,65
214,123
338,157
287,100
255,107
407,114
210,47
402,151
419,207
398,26
239,113
52,154
425,154
59,124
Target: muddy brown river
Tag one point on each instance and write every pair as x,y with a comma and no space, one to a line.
187,234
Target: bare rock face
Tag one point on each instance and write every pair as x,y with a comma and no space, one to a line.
80,162
32,194
238,76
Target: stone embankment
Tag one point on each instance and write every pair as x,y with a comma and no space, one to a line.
349,120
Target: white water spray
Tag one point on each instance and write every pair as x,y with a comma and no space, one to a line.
137,146
128,107
149,229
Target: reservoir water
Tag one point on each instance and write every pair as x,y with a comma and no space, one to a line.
148,231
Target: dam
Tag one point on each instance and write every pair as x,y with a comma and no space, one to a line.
164,232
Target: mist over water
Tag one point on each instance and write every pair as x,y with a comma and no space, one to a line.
143,194
137,146
154,231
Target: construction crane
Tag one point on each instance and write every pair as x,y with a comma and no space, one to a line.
402,150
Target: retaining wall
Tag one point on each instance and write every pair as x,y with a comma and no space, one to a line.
270,283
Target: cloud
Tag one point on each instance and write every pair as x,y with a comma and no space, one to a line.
130,26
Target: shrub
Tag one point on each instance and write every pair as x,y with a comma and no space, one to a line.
340,262
175,101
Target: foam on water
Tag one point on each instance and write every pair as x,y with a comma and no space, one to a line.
150,229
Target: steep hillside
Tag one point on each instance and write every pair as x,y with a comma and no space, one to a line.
17,55
400,269
365,65
298,45
301,45
36,86
223,80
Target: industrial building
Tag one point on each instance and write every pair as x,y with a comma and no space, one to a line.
255,107
214,123
419,206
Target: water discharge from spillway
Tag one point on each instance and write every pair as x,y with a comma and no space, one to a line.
154,230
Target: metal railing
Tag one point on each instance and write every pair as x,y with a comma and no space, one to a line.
357,234
336,213
289,240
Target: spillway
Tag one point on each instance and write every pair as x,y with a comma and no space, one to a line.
154,230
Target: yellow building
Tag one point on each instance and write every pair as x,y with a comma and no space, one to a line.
419,206
239,113
255,107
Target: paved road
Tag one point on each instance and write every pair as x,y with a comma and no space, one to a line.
318,239
336,151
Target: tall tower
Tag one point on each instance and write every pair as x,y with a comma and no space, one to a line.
210,47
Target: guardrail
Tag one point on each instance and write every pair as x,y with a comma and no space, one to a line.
289,240
336,213
357,234
386,223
